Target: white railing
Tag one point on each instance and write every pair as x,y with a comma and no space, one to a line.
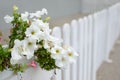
93,38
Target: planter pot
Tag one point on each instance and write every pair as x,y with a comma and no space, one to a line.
29,74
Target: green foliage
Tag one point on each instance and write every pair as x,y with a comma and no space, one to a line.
18,30
44,59
18,68
4,58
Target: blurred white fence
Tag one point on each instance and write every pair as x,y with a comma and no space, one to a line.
93,38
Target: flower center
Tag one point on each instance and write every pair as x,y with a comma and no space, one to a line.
70,54
29,43
32,32
58,51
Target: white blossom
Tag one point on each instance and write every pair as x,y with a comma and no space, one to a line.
71,54
16,51
8,19
57,52
32,15
30,43
43,29
44,11
41,25
20,50
33,32
55,41
38,14
24,16
14,61
62,62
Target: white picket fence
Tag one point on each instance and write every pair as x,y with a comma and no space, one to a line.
93,38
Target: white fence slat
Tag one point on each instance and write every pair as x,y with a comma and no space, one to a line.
109,33
85,48
112,28
57,33
66,39
74,43
80,49
100,25
95,47
103,37
90,47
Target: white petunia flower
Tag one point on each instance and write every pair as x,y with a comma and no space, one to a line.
46,44
20,50
38,14
32,15
50,42
30,43
63,62
44,11
41,25
35,15
14,61
57,52
33,32
8,19
29,53
55,40
71,54
24,16
43,29
16,51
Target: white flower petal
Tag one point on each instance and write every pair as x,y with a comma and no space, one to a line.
33,32
59,63
8,19
44,11
24,16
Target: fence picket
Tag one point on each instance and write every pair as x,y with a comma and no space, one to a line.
57,33
90,47
85,48
66,39
93,37
80,49
74,43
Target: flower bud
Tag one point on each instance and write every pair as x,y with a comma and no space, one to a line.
15,8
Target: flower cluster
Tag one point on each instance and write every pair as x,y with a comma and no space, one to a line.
32,44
